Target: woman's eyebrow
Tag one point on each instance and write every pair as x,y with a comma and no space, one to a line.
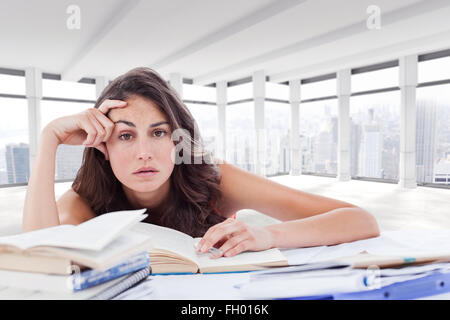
131,124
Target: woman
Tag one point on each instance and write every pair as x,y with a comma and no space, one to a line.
143,151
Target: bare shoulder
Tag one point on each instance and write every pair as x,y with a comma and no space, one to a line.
73,209
244,190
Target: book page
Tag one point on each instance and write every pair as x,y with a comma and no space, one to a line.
168,239
93,234
30,239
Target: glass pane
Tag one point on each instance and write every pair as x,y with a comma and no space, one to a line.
68,89
375,135
318,89
240,92
206,117
433,70
241,139
199,93
433,134
384,78
277,124
277,91
12,84
318,134
14,142
68,158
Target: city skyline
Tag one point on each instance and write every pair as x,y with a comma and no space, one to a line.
374,136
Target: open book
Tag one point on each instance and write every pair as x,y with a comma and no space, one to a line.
172,251
98,243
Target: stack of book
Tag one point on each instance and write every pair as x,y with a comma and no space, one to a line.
96,259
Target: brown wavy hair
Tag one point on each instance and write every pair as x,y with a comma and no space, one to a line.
193,186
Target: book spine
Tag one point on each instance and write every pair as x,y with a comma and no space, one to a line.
90,278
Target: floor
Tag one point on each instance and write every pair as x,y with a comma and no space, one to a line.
395,208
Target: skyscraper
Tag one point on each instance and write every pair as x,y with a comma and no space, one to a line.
371,148
18,162
68,161
426,139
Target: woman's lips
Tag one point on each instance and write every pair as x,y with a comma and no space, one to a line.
146,174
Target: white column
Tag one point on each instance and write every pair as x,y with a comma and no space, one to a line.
295,145
33,82
343,94
221,91
176,81
100,84
408,84
259,94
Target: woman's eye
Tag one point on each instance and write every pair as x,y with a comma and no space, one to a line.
125,134
159,133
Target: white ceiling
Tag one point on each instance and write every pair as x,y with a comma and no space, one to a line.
213,40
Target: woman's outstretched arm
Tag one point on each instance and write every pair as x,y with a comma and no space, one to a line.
90,126
307,219
40,209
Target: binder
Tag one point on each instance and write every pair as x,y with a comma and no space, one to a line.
430,285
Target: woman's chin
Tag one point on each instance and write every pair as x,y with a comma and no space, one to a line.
142,186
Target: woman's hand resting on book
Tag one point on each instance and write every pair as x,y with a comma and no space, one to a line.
232,237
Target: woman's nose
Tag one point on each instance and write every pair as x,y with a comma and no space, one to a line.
145,156
144,150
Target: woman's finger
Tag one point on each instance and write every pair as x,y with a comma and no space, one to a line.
210,231
101,132
242,246
89,128
231,243
102,147
107,124
109,104
220,233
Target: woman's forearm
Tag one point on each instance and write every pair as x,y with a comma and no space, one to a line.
40,209
333,227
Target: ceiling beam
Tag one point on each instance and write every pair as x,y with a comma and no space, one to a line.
71,72
388,18
417,46
235,27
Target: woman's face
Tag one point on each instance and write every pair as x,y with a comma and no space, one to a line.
141,138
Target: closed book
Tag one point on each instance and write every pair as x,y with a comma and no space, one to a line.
75,282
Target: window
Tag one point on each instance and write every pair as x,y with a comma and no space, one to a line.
12,84
240,92
199,93
241,139
375,135
277,91
277,124
325,88
68,89
384,78
433,134
434,70
68,157
206,118
318,136
14,142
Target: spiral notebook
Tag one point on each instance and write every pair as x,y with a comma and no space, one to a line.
124,284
